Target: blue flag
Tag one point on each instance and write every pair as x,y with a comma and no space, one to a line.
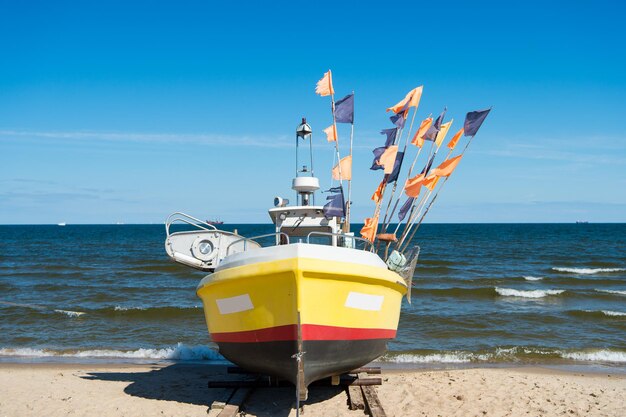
473,121
431,134
344,109
398,120
397,164
336,206
405,208
377,153
391,136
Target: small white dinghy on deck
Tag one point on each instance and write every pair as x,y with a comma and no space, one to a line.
206,246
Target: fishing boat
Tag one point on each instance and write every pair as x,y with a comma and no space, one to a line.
312,304
312,300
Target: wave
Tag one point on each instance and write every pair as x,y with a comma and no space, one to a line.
618,292
509,292
596,356
450,357
531,278
455,292
588,271
149,312
180,352
162,312
599,314
483,292
613,313
507,355
120,308
70,313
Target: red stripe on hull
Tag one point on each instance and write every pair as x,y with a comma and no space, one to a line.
309,332
318,332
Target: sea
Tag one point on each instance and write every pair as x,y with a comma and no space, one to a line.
483,295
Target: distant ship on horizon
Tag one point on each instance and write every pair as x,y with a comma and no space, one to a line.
61,224
581,222
214,222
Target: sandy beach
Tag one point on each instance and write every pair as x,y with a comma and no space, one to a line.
181,390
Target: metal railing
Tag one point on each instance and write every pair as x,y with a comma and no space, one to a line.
186,218
341,235
254,238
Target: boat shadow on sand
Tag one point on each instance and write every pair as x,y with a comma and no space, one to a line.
187,383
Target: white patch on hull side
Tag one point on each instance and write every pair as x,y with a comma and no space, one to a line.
235,304
364,301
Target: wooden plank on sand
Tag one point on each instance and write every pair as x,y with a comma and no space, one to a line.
373,404
355,397
236,401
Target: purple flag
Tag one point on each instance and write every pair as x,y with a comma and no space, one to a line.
336,206
473,121
391,136
377,153
405,208
398,120
397,164
431,134
344,109
428,165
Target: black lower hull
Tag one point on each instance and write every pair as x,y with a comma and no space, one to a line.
321,358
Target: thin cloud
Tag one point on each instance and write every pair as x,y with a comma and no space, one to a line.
556,153
279,141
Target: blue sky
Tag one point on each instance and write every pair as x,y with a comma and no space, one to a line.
113,111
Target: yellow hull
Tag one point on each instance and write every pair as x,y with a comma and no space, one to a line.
262,313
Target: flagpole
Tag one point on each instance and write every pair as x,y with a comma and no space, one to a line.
400,245
416,209
407,178
395,184
349,203
332,110
428,163
422,200
410,171
479,117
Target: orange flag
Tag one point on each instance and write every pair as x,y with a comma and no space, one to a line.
446,167
346,169
431,181
388,158
331,133
418,139
412,99
455,138
370,228
378,194
324,86
414,185
443,131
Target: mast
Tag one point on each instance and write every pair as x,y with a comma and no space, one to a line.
305,183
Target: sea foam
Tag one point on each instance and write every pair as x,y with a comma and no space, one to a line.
531,278
509,292
612,291
179,352
120,308
588,271
597,355
613,313
450,357
70,313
